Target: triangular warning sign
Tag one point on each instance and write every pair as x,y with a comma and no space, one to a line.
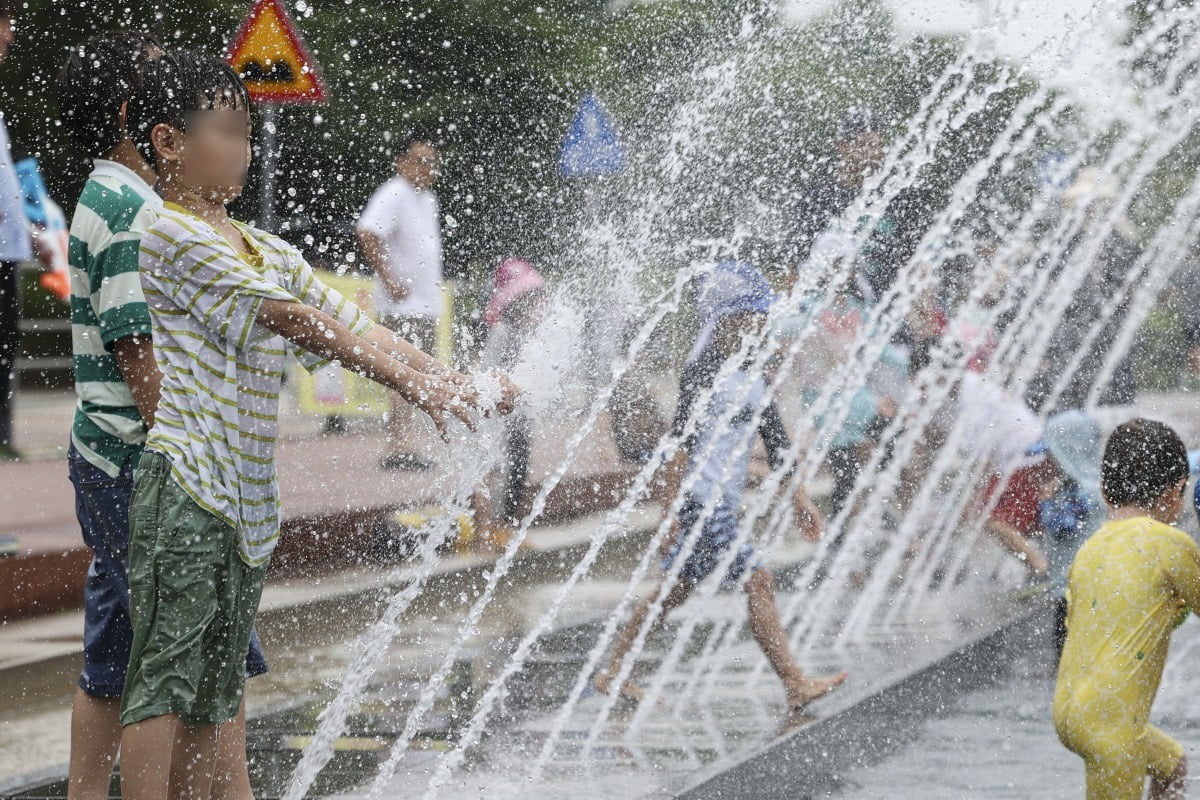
269,55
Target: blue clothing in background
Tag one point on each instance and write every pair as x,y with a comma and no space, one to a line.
1067,519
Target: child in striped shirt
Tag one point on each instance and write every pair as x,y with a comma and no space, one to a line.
227,301
116,383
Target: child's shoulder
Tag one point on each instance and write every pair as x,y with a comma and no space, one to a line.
1175,536
120,206
1162,530
1145,529
174,227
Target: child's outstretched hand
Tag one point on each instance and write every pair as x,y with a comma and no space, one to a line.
509,392
497,392
443,397
808,516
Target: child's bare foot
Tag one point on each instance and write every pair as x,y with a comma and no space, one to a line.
809,690
629,690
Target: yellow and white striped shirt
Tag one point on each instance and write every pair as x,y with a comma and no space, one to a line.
222,371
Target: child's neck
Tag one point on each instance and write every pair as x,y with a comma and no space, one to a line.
1133,512
126,154
193,200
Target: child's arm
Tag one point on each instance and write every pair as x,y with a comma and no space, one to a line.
777,442
202,275
135,359
807,515
311,291
319,333
1182,565
402,350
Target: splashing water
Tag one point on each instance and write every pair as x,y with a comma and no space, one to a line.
908,540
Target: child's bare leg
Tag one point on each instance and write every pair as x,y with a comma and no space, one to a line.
95,736
149,750
624,641
1173,787
772,638
231,779
146,748
194,760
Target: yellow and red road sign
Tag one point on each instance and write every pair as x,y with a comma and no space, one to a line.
271,57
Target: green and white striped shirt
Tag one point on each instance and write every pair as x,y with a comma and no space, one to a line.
114,210
222,370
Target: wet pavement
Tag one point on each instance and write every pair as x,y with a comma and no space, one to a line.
311,630
995,742
712,713
999,742
989,743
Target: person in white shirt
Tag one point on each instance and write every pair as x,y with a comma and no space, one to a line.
399,235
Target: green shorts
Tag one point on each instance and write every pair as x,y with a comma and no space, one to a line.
192,603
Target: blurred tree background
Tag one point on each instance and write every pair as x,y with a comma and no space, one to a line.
496,83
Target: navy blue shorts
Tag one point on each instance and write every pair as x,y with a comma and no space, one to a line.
716,537
102,507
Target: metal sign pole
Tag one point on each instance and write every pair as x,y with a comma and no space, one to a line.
270,160
271,58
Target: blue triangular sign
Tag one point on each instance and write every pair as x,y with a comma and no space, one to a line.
592,146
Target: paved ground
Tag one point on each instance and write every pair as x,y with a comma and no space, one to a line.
1006,726
1000,742
310,630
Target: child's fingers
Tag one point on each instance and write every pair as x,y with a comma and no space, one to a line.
439,424
461,411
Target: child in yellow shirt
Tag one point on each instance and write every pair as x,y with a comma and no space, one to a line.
1128,588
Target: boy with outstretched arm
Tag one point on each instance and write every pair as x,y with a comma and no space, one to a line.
227,302
116,384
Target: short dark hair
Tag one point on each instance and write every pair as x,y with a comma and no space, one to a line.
1142,460
171,86
10,8
96,79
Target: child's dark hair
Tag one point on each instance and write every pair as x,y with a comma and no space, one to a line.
96,79
172,86
1142,460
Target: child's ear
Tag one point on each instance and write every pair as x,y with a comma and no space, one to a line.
167,142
